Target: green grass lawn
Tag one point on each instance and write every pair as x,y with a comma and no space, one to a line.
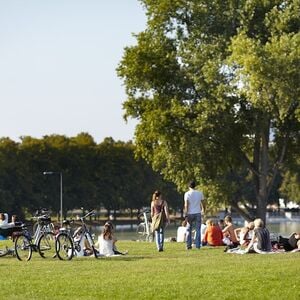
147,274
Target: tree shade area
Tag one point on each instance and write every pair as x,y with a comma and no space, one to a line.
95,176
215,88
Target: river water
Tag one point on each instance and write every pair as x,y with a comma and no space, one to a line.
128,232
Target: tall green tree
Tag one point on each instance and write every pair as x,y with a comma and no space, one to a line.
9,181
215,87
94,176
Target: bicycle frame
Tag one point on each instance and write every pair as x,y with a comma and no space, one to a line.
146,232
147,223
42,227
85,233
67,245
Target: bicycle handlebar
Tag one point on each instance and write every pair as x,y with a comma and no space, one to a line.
68,222
90,213
144,212
41,217
41,211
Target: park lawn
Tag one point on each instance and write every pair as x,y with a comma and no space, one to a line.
144,273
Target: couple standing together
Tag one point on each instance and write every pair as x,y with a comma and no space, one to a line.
193,207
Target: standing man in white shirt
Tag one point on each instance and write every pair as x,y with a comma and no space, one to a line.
193,207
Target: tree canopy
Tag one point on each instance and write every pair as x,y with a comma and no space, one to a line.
95,176
215,87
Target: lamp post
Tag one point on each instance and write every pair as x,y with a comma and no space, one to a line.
61,192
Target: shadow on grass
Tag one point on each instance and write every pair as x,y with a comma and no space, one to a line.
125,258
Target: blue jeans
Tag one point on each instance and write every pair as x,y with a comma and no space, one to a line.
159,238
194,220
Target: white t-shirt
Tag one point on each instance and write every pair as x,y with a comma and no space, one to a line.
181,234
4,223
203,229
105,246
194,198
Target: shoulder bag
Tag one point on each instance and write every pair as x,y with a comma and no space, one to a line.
158,220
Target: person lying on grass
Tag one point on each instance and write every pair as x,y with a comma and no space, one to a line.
292,243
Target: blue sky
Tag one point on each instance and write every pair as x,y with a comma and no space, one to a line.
57,66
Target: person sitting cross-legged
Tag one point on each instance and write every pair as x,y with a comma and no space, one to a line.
213,235
230,238
260,242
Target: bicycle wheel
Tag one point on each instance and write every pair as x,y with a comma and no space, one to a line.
23,248
150,237
64,247
90,244
141,231
46,245
3,252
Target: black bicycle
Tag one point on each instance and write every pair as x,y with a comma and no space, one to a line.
24,245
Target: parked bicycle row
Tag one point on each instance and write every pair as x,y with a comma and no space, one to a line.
45,239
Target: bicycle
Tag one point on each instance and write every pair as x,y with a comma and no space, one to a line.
46,215
44,237
67,244
24,245
9,232
143,230
42,241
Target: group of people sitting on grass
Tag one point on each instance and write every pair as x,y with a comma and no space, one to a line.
254,237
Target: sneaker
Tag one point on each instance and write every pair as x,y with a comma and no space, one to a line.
160,250
189,248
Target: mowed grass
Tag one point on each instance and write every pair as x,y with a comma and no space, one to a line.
147,274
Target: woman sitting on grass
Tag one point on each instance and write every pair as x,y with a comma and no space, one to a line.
260,242
213,235
244,234
107,241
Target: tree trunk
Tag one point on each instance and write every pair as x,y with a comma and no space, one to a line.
262,197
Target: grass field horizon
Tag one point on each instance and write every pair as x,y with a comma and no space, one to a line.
144,273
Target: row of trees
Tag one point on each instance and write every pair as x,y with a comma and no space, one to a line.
104,175
215,86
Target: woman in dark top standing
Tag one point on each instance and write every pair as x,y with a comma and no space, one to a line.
158,204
